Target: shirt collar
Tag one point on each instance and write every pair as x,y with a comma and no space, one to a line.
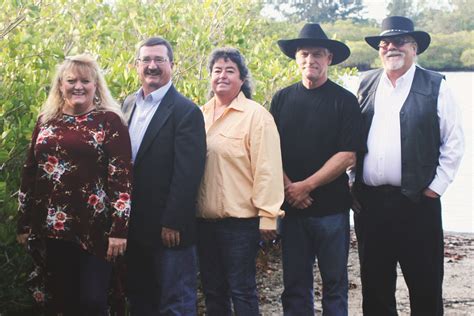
156,96
236,104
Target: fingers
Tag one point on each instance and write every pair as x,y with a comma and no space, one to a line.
304,203
170,237
117,247
430,193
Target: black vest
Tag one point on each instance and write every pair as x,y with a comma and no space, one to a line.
419,128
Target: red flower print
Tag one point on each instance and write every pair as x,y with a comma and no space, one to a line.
93,199
52,160
38,296
99,207
111,169
124,197
61,216
59,226
81,118
120,205
48,167
99,136
39,140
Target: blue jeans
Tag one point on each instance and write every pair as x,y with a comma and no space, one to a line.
304,239
162,282
227,252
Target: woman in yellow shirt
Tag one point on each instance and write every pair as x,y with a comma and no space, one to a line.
242,189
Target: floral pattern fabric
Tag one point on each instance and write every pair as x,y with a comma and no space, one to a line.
76,182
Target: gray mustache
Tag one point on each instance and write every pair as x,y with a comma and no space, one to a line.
395,53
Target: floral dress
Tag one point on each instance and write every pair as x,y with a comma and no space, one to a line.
76,182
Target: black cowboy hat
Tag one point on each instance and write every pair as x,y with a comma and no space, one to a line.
313,35
393,26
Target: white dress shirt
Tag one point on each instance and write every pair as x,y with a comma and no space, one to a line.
382,163
144,110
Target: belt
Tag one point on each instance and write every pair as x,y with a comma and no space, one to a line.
385,189
226,219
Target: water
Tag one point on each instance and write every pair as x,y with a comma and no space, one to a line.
457,202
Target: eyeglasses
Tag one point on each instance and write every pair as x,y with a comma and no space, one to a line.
157,60
396,41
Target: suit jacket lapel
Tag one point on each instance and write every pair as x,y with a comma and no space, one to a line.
128,107
158,120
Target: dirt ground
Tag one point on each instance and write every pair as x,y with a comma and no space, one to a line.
458,286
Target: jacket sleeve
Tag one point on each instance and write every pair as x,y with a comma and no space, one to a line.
188,168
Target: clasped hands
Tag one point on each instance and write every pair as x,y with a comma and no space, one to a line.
297,194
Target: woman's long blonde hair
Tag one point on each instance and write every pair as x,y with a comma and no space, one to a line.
83,65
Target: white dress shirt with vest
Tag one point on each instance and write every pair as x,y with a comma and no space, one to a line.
383,162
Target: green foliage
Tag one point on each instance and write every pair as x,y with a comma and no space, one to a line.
362,55
350,31
319,11
446,50
400,7
36,35
467,58
447,20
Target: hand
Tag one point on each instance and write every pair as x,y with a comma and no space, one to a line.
170,237
22,238
430,193
117,247
304,204
297,194
268,234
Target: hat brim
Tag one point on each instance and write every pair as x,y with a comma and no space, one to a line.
339,50
422,39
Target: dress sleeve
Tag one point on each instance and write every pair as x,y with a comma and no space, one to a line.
119,179
27,187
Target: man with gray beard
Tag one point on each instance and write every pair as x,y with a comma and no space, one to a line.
414,147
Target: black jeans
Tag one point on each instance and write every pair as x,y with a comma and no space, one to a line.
77,280
392,228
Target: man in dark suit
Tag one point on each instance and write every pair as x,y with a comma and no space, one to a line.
168,152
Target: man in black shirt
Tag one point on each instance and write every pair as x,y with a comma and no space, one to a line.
319,124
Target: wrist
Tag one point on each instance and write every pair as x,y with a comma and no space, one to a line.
310,184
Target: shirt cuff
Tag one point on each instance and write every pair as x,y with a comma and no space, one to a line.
438,186
268,223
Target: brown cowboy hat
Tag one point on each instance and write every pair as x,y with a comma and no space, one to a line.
394,26
313,35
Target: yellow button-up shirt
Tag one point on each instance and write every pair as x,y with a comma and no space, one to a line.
243,177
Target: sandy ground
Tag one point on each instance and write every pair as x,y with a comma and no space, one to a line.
458,287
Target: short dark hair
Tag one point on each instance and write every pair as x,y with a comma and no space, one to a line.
235,56
154,41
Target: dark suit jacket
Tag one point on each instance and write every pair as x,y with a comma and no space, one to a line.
167,170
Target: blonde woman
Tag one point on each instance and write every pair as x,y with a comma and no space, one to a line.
75,189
